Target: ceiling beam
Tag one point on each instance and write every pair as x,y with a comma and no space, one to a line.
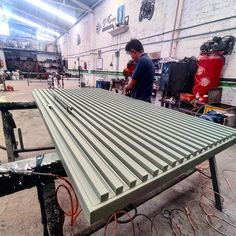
83,15
96,3
64,5
82,6
61,30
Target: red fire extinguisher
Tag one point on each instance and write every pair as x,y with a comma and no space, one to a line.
208,74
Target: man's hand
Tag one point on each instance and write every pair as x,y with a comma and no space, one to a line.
131,84
127,91
128,88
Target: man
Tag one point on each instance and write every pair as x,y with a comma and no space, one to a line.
141,82
58,78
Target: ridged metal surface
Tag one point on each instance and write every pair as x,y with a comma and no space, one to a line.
115,149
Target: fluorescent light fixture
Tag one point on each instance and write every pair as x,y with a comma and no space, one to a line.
28,22
52,10
4,25
4,28
44,37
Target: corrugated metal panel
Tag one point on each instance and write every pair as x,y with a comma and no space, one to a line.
115,149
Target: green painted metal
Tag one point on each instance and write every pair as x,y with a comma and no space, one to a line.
226,84
101,73
115,148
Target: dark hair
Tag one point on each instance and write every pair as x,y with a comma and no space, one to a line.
134,44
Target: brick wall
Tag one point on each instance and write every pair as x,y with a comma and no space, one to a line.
91,41
154,33
199,12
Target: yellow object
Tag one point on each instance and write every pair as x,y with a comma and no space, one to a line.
210,108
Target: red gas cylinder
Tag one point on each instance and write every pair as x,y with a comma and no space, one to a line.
208,73
128,71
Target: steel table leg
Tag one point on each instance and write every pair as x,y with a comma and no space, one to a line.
52,215
8,131
215,183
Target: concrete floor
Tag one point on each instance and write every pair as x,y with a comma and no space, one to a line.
29,121
20,214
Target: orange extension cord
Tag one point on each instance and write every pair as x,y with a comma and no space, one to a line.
209,214
75,211
206,209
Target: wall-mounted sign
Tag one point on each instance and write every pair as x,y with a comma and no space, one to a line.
111,22
111,26
99,64
107,23
147,10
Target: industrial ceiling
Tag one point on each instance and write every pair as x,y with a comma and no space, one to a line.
75,8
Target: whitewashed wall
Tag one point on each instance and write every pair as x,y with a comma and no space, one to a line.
91,42
201,11
153,34
2,57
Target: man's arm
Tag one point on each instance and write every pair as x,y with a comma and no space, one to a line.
131,84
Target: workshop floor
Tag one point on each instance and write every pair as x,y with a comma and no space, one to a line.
20,214
29,121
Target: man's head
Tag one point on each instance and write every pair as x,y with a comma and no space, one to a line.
135,48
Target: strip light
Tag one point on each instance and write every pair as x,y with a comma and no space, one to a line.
52,10
4,24
28,22
4,28
44,37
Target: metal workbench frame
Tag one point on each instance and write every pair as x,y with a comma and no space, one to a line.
53,224
177,173
15,182
79,118
9,126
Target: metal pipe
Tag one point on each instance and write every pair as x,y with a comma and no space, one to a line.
83,6
8,135
164,41
177,24
7,106
3,148
174,27
20,139
34,149
96,4
160,34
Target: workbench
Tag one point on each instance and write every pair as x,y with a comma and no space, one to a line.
116,149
